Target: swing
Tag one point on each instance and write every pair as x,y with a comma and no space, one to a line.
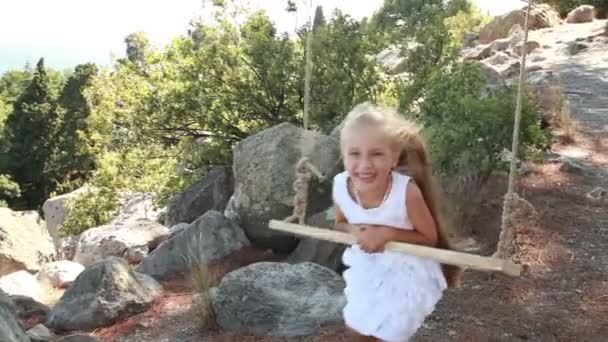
498,262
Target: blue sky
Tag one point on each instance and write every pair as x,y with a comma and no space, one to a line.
68,32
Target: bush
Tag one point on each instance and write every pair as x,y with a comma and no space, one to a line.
468,131
9,190
90,209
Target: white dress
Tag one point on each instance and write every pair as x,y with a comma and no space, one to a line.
388,294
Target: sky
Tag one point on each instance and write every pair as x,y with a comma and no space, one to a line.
69,32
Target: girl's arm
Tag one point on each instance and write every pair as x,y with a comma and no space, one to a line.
424,232
343,225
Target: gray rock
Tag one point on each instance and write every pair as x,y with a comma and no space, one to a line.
264,172
575,47
136,207
581,14
115,240
178,228
104,293
478,53
25,243
531,45
324,253
28,309
278,299
469,39
40,333
207,239
574,166
541,16
210,193
10,330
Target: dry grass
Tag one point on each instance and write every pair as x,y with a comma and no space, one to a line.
49,295
554,101
204,277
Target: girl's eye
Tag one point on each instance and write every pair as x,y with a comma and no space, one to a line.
354,154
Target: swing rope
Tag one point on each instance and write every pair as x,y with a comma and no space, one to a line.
506,232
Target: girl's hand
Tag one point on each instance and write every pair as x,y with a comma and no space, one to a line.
373,239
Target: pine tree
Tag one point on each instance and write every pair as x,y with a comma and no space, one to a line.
30,136
75,160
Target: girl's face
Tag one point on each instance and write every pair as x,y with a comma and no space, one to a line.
368,157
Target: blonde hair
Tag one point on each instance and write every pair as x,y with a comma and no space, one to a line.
413,158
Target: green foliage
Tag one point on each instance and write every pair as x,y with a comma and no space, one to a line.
30,139
343,74
468,20
469,131
90,209
9,190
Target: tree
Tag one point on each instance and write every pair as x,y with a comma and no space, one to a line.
319,18
137,44
75,159
30,135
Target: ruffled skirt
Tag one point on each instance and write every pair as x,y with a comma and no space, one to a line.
389,294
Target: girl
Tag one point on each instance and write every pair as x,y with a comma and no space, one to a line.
388,294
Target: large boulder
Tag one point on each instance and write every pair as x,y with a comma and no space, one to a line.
278,299
324,253
55,211
60,274
25,243
104,293
137,207
210,193
10,330
119,240
210,238
40,333
29,311
21,283
264,172
541,16
581,14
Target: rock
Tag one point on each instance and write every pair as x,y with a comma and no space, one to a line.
79,338
209,238
55,211
499,58
493,80
511,70
500,44
10,330
531,45
599,195
468,41
581,14
210,193
392,60
135,255
278,299
575,47
114,240
324,253
541,16
571,165
21,283
178,228
25,243
104,293
67,247
136,207
516,35
29,311
60,274
264,172
40,333
478,53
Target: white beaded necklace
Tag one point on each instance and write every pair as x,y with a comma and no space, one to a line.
386,194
